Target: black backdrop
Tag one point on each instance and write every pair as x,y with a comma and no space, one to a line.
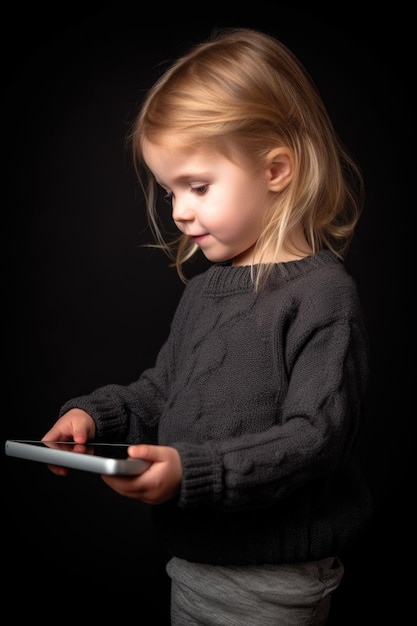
86,304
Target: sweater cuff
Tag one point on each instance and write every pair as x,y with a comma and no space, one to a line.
108,424
201,474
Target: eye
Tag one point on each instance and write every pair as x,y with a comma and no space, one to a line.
201,190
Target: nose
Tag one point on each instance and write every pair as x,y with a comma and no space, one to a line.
181,210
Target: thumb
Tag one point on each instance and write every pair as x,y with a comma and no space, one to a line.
145,451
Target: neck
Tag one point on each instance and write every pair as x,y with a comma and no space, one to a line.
295,247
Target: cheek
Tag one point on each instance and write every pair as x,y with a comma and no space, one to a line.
235,206
226,210
249,205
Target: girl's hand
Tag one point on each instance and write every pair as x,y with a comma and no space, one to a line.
159,483
75,425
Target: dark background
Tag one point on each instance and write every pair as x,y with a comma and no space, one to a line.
86,304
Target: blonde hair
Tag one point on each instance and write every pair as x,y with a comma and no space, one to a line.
244,92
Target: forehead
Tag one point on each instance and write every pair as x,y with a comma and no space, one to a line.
172,144
169,160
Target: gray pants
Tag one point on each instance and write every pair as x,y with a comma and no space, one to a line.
267,595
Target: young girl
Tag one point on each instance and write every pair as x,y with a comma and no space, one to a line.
251,413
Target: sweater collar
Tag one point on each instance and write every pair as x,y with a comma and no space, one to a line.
222,279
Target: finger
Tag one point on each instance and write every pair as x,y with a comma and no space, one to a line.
142,451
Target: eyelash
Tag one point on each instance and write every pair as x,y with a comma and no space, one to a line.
201,190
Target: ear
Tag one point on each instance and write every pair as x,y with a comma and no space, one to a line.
280,168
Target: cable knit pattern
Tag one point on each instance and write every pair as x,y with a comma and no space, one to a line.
262,396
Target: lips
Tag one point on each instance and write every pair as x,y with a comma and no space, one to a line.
198,238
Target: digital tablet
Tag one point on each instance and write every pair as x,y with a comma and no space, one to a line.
100,458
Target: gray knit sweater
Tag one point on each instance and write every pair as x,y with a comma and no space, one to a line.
262,396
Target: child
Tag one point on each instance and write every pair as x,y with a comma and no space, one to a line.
252,411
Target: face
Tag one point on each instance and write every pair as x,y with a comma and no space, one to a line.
216,202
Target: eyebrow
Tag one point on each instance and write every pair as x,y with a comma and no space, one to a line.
184,178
